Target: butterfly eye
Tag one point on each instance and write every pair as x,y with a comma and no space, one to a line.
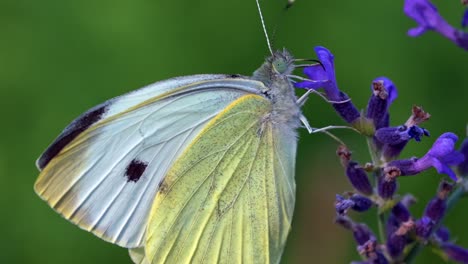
280,65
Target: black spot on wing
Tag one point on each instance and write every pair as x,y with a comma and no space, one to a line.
235,76
71,132
134,170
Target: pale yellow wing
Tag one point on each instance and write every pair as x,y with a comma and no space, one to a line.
103,171
229,198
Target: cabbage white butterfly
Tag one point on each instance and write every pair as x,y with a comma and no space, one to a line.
192,169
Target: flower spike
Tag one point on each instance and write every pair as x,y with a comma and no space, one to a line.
323,76
440,156
428,18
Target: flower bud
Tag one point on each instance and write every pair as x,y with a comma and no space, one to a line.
387,185
443,234
401,212
395,245
436,207
424,227
396,138
384,93
358,178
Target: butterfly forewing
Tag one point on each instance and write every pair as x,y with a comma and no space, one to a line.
229,198
103,171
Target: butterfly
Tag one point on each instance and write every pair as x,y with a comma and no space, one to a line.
193,169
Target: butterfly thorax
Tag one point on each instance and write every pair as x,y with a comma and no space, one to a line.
280,91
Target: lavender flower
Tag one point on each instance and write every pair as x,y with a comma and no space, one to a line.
401,212
356,174
442,234
400,134
356,202
366,240
390,141
324,77
435,209
455,252
427,17
361,232
358,178
394,139
424,226
384,93
387,184
397,227
440,156
396,244
400,216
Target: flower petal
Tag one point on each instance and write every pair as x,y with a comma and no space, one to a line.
444,145
444,169
326,58
417,31
391,88
316,73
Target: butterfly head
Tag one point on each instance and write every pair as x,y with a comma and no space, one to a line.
282,62
278,66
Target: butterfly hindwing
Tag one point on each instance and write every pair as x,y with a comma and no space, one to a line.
229,197
103,171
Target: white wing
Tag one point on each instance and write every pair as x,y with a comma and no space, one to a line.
103,171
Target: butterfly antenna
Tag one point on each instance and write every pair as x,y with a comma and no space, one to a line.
264,27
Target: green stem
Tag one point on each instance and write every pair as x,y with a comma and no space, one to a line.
380,215
413,253
381,226
455,196
373,154
451,201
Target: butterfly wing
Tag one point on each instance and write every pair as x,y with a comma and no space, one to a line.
103,171
229,198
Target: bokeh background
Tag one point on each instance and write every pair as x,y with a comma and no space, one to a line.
59,58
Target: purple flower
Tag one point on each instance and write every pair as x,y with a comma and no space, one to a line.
436,207
361,232
395,139
358,178
356,202
371,251
401,212
443,234
427,17
400,215
387,184
424,227
397,240
455,252
396,244
384,93
440,156
324,77
342,204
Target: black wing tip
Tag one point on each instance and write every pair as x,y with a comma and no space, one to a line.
75,128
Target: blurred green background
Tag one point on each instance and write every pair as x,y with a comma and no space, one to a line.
58,58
